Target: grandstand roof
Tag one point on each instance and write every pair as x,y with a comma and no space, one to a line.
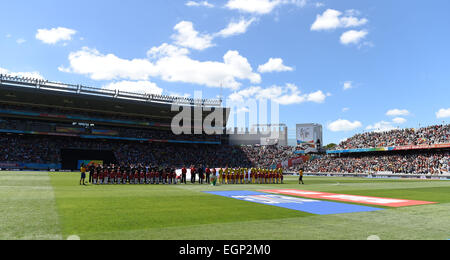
36,92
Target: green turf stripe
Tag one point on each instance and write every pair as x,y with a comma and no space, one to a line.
185,212
405,224
28,207
429,222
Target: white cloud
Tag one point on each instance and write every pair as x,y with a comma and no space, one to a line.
345,109
34,74
351,21
274,65
21,41
97,66
168,62
319,4
443,113
253,6
342,125
352,12
146,87
171,62
353,36
55,35
399,120
8,36
327,21
235,28
242,110
331,19
209,73
367,44
382,126
199,3
317,97
398,112
260,6
166,50
348,85
343,140
176,94
187,36
284,95
244,94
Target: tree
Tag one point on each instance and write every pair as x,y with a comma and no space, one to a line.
330,146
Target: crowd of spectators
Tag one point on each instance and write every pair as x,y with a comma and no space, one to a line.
47,150
267,156
41,149
437,134
15,148
417,163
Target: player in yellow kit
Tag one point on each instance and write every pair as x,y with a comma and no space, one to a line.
300,180
83,175
280,172
220,175
252,176
231,176
227,176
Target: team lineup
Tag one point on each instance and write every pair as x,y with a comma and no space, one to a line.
113,174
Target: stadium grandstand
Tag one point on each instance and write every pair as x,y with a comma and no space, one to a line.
408,151
47,125
40,119
425,137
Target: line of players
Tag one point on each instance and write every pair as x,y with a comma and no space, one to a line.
251,176
114,174
139,174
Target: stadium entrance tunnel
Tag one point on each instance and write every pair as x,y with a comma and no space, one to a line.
71,159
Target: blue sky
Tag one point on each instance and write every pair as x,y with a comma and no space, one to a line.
351,66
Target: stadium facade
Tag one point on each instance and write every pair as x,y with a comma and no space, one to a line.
262,135
47,125
32,108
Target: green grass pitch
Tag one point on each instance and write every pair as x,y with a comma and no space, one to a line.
41,205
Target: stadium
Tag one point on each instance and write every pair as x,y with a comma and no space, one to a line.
225,127
387,185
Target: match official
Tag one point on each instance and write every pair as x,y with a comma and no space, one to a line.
201,172
91,173
183,175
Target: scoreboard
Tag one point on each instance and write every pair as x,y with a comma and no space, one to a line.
309,138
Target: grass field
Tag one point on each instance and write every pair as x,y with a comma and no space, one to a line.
40,205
